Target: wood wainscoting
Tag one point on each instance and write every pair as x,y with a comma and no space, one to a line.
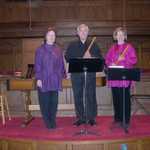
18,144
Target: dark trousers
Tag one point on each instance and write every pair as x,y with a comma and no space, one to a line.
117,94
48,104
85,109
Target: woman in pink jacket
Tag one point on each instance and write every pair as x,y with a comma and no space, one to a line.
121,54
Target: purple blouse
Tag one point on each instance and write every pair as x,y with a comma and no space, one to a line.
49,67
129,61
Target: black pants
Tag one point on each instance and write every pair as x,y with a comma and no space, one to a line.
48,104
84,109
117,94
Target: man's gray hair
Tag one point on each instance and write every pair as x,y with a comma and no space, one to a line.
82,26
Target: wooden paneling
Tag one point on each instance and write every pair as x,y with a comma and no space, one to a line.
29,47
88,146
132,144
145,54
9,13
10,55
75,10
21,20
53,146
16,145
145,145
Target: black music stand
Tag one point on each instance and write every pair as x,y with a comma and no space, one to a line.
123,74
79,65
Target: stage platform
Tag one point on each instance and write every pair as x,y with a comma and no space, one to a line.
65,137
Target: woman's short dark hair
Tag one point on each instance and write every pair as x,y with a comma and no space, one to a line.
48,30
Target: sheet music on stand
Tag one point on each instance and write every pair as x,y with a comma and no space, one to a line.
132,74
116,66
92,65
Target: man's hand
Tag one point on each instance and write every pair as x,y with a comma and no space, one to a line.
87,55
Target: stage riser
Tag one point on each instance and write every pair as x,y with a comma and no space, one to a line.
132,144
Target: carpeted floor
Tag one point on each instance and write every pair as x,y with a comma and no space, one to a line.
139,127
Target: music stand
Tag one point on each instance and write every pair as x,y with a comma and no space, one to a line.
124,74
79,65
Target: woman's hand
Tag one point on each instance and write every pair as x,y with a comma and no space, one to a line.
68,76
113,64
39,83
121,58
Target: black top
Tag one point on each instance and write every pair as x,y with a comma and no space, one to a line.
77,50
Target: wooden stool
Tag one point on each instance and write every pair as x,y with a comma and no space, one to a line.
4,108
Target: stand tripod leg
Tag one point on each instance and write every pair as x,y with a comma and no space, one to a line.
126,130
125,125
85,130
124,122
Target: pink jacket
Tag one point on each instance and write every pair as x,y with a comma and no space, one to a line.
129,61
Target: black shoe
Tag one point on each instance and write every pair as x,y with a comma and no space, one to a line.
92,122
52,126
79,122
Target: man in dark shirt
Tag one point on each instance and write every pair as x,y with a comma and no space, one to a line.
78,49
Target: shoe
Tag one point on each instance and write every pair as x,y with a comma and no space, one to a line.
92,122
79,122
52,126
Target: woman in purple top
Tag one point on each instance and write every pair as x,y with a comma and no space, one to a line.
121,54
49,72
